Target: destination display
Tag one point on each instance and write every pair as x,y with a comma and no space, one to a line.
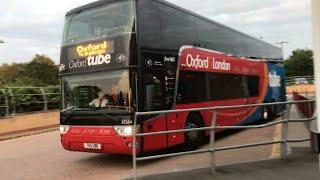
95,56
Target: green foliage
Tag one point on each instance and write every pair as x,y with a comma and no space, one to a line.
300,63
41,71
26,99
9,73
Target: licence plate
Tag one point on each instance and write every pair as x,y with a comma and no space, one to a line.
92,146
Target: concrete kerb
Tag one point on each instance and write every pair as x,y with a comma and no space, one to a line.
30,132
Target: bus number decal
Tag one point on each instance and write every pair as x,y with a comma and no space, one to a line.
126,121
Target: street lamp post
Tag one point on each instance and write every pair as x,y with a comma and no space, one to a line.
316,40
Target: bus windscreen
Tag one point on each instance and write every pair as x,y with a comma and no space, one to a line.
113,19
106,90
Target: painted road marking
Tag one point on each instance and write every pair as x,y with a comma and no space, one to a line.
276,148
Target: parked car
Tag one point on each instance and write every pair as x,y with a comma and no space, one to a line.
300,81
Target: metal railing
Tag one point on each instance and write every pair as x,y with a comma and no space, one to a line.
292,80
212,149
12,98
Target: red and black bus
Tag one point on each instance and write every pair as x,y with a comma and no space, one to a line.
126,56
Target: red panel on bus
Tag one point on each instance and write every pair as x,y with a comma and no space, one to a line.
201,60
157,142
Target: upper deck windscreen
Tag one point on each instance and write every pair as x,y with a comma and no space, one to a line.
112,19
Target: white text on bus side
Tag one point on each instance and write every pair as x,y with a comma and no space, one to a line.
98,60
90,61
221,65
204,63
197,62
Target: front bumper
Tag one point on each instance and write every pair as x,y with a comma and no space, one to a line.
111,142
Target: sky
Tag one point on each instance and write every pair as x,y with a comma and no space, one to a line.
35,26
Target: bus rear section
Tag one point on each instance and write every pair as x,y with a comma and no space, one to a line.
208,78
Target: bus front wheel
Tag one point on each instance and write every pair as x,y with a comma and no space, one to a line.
193,139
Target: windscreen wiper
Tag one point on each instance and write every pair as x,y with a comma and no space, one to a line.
109,116
68,111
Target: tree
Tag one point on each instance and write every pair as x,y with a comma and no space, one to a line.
10,72
42,71
300,63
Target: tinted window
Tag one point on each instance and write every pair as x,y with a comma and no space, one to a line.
225,86
149,24
211,36
154,92
217,37
253,86
178,28
168,28
193,87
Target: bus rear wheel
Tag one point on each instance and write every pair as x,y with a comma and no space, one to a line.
193,139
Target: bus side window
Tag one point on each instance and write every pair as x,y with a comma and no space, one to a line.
150,95
253,85
244,86
150,29
154,93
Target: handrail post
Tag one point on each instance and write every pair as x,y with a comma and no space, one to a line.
134,147
310,115
45,104
13,101
310,110
6,102
284,134
212,143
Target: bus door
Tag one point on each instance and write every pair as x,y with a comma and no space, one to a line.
153,100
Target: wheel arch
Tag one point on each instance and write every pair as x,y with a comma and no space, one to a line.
197,114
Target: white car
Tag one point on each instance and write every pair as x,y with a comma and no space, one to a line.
300,81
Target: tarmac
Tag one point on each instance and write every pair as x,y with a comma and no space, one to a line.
302,164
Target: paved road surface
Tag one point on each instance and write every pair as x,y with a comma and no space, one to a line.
301,165
42,157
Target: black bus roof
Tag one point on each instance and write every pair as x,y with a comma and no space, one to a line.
102,2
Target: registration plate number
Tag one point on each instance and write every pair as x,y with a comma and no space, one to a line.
92,146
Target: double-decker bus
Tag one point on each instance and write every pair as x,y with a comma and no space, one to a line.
126,56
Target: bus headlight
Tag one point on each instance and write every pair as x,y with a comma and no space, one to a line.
64,129
125,130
